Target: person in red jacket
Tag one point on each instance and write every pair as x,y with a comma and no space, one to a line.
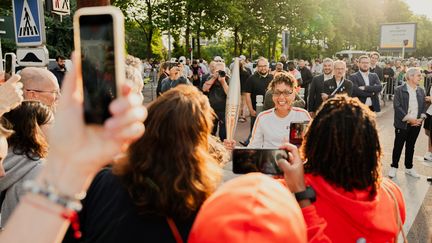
343,167
256,208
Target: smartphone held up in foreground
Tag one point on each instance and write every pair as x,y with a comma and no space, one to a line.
9,67
247,160
99,41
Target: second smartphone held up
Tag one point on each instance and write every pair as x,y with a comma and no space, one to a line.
99,40
247,160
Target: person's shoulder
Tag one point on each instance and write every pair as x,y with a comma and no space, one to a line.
165,79
328,81
373,75
299,110
105,180
318,77
354,75
265,114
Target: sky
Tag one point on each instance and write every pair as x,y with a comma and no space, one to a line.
421,7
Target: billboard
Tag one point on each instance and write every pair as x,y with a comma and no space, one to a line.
393,35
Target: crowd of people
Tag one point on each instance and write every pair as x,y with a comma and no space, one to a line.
63,180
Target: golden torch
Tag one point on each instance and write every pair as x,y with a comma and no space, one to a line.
233,101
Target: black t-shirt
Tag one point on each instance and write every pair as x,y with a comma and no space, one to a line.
217,96
257,85
109,215
244,75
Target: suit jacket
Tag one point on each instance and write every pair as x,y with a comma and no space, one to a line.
379,71
315,90
330,85
372,90
401,105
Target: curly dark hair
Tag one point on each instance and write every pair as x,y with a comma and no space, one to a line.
285,78
342,145
26,120
169,170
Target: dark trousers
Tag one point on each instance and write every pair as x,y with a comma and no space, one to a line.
252,122
219,122
408,137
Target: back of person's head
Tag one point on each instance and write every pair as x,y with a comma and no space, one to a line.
40,84
342,145
134,78
250,208
170,171
27,120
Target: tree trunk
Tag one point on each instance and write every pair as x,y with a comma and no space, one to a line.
198,41
236,40
273,56
188,30
269,46
151,29
241,46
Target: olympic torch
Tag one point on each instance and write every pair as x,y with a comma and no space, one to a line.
233,101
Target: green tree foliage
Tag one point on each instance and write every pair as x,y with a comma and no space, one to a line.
249,27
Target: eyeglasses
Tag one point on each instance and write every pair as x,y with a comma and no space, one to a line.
54,92
285,93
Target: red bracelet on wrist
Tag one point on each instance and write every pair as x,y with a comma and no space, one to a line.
67,214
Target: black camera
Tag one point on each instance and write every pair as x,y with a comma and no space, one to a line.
222,73
173,64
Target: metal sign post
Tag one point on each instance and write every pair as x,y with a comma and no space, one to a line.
285,42
404,43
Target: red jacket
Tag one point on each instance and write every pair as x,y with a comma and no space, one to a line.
354,215
250,208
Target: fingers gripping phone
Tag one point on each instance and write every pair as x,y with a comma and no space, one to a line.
247,160
10,63
99,41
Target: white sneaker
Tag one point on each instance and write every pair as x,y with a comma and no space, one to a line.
428,156
392,172
412,173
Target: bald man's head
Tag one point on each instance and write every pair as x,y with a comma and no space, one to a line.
40,84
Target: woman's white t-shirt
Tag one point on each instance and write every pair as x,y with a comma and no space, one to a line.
270,131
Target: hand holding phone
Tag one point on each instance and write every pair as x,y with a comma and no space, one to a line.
99,41
10,63
292,168
247,160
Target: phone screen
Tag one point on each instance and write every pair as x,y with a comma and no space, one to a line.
98,66
8,67
257,160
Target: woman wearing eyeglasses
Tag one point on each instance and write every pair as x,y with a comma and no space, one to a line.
272,126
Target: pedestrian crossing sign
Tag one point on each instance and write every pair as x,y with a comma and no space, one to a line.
61,7
29,22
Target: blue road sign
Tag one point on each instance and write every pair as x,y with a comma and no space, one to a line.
29,22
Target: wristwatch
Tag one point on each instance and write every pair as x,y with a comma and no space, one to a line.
309,193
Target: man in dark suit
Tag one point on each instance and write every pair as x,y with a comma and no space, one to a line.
366,85
338,84
316,86
374,68
306,76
